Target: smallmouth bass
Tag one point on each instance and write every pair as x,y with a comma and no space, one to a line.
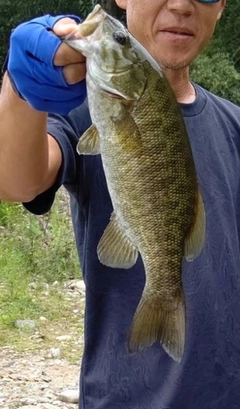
158,212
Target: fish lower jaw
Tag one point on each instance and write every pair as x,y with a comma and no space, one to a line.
112,94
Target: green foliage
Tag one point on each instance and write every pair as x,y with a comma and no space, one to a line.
216,69
86,6
39,249
36,248
217,74
15,12
227,36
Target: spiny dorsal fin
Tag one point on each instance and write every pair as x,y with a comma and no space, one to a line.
89,143
115,249
196,237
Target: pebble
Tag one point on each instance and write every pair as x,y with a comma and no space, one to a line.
25,324
43,319
77,285
69,396
55,353
64,338
24,384
32,286
27,401
41,406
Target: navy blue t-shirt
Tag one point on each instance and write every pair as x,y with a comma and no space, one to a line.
209,374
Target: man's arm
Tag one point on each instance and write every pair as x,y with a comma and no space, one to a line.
29,158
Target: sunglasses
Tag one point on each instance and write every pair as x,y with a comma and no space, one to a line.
208,1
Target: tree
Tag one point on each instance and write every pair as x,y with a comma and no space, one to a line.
227,37
14,12
218,68
110,7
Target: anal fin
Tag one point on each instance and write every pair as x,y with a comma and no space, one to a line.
115,249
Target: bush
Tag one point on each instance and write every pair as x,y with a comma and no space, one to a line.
217,74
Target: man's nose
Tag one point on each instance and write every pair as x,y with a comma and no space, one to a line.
181,6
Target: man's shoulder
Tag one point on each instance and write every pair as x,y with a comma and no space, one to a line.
217,100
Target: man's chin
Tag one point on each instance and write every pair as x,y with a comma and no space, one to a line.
175,65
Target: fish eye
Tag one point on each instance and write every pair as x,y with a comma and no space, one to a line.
120,37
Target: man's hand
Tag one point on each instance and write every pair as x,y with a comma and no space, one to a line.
47,73
72,61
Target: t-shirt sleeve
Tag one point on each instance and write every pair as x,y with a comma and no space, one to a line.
66,130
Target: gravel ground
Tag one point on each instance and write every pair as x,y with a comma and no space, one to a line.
42,378
27,380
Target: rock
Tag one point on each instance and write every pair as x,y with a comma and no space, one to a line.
69,396
26,324
43,319
44,386
28,401
77,285
47,406
55,353
32,286
29,407
3,398
40,406
64,338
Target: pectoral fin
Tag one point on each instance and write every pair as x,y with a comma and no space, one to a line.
196,237
89,143
115,249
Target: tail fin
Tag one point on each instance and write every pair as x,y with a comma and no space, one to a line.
154,322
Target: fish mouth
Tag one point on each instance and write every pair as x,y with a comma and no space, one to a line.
112,94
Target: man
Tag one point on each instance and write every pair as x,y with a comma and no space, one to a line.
34,165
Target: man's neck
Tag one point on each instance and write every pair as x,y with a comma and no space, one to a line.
181,85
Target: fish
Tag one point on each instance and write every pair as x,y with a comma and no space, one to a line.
158,210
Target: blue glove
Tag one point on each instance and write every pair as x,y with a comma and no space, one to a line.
30,66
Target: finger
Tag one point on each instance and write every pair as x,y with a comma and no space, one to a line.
66,55
64,26
74,73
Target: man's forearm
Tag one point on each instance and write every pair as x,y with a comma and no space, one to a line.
24,153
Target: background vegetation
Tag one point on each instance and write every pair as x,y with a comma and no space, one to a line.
38,259
218,69
39,250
